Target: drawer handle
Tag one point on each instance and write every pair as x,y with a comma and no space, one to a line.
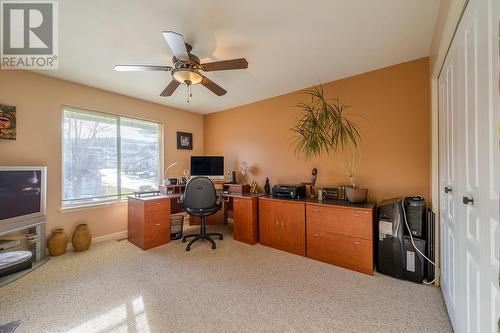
236,201
158,203
356,243
357,214
315,210
158,224
316,235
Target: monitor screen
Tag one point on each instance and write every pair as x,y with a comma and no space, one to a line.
20,193
207,166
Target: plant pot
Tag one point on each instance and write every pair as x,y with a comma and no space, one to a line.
57,242
356,195
82,238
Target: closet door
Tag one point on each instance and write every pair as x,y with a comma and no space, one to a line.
449,219
469,171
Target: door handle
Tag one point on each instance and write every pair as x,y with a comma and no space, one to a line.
277,223
447,189
281,223
467,200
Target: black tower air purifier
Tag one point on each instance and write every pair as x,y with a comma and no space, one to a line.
430,269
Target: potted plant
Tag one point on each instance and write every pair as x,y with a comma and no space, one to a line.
324,126
350,157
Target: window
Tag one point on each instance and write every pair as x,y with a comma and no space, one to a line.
107,157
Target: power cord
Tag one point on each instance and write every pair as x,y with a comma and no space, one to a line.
415,247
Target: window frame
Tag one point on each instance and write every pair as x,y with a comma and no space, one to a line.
121,198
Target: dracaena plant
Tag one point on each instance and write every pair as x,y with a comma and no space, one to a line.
324,126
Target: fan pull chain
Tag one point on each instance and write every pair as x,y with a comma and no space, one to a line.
189,94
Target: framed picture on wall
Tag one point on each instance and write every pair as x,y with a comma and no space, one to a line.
7,122
184,140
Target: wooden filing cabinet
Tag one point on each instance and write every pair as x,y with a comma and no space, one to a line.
245,219
342,236
282,225
148,221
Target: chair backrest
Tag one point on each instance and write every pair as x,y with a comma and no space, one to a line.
199,194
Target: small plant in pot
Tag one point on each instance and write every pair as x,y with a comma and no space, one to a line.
350,157
325,126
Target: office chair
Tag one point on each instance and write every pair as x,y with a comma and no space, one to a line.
200,199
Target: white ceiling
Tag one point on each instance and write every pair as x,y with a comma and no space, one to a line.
289,44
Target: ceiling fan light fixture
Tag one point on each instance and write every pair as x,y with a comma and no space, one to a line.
187,76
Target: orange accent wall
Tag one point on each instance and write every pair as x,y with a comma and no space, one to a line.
39,101
395,127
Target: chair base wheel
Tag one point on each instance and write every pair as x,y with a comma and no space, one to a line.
188,249
183,240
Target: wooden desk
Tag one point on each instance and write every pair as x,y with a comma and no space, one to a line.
245,210
175,191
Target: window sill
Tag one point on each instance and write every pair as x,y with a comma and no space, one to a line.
71,209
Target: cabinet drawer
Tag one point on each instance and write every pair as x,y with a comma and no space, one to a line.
346,221
348,252
157,210
354,253
156,233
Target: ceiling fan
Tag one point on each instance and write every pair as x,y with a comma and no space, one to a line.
186,67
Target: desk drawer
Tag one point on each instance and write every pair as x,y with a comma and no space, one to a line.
346,221
348,252
157,209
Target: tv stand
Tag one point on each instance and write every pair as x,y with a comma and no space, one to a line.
20,242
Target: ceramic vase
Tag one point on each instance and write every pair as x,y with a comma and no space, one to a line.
82,238
356,195
57,242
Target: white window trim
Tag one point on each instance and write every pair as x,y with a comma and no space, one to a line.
115,202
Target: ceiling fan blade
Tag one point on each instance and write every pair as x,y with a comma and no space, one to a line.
140,68
213,87
169,90
240,63
177,44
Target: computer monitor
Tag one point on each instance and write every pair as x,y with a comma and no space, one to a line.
208,166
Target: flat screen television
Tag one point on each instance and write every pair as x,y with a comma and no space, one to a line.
22,194
208,166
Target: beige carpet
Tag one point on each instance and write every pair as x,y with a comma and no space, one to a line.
116,287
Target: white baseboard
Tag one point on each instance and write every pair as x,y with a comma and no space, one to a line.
108,237
114,236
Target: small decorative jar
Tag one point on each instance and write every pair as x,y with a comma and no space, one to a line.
82,238
57,242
